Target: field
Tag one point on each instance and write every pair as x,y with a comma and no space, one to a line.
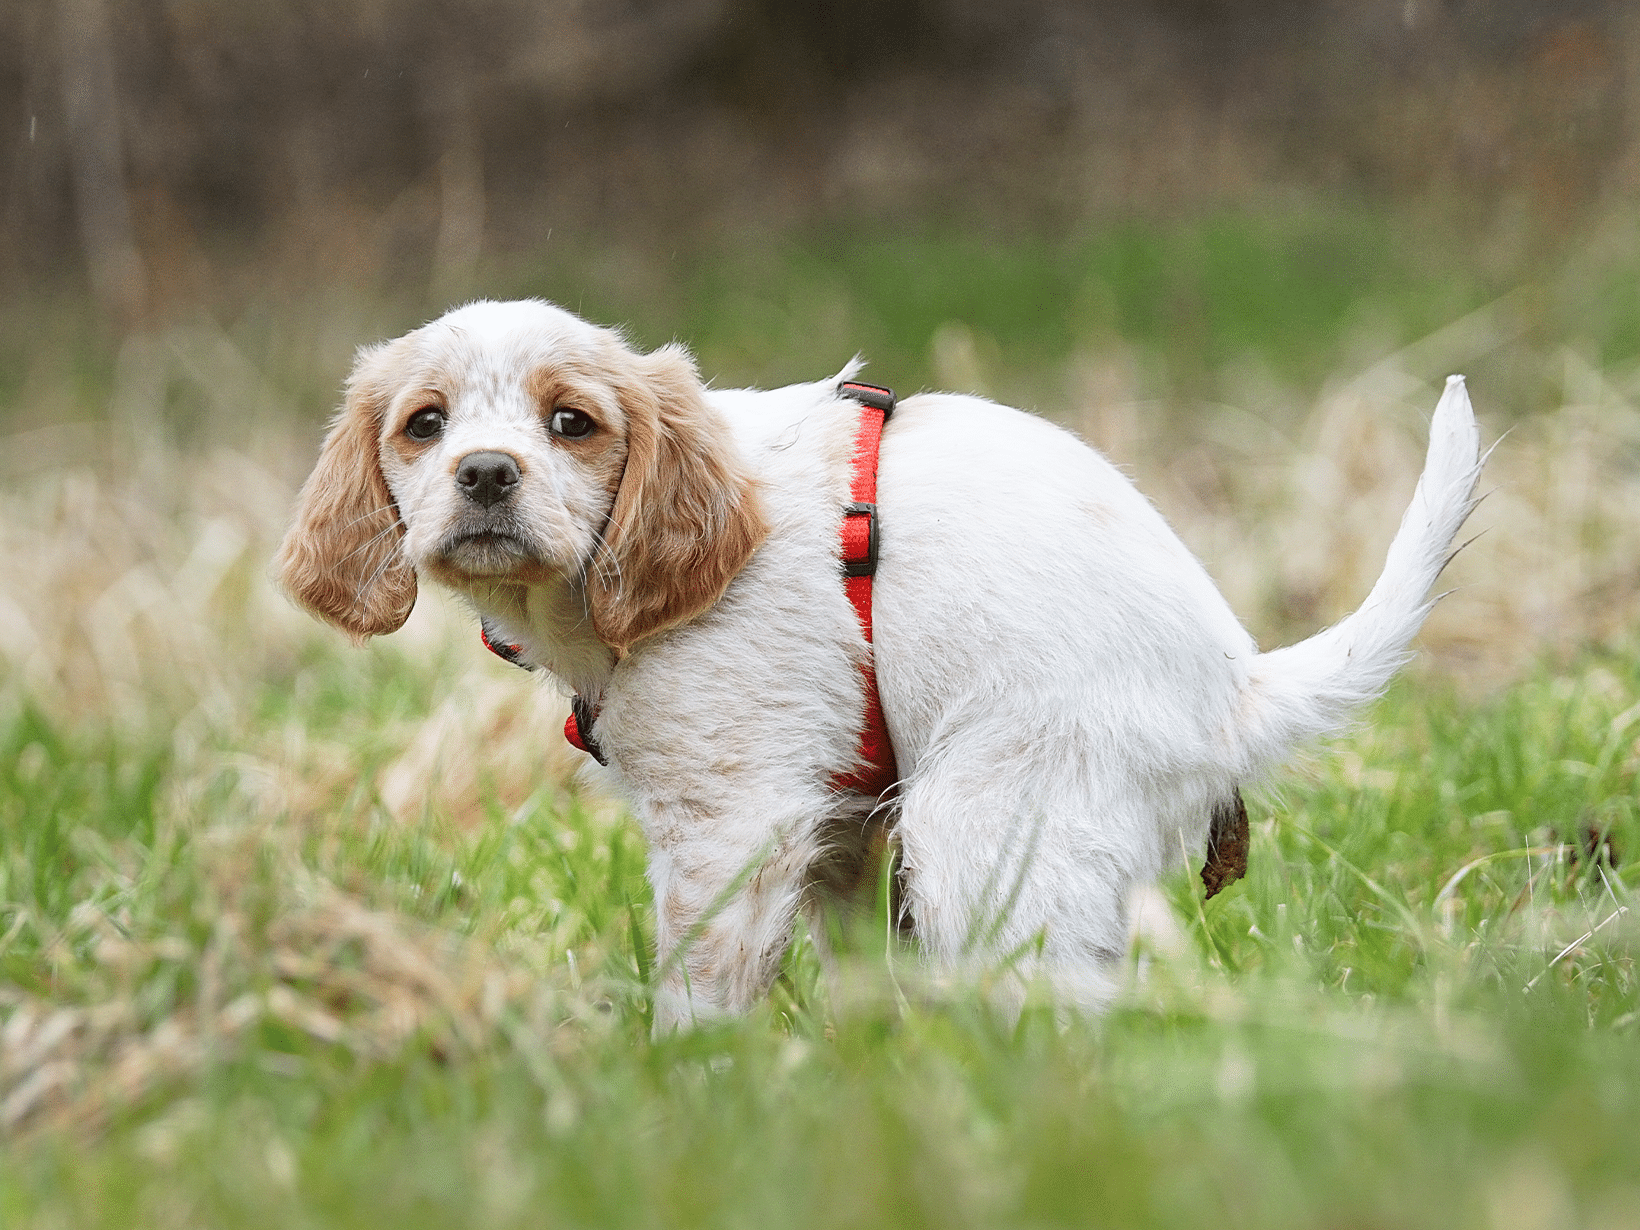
297,934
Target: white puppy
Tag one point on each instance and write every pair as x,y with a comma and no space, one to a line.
1069,697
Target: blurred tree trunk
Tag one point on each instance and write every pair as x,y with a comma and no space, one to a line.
461,190
92,117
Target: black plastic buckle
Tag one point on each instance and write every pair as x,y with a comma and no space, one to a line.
873,395
585,716
866,565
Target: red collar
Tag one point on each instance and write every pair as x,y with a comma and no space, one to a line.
581,714
877,771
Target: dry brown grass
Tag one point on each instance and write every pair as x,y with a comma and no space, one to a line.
329,967
1294,528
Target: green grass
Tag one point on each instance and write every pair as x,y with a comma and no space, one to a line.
1287,289
1300,296
1342,1043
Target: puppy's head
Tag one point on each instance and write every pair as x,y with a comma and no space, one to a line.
514,444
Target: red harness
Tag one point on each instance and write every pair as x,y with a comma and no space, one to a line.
877,771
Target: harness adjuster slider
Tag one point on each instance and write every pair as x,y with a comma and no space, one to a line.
873,395
863,565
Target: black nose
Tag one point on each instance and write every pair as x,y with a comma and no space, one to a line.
487,478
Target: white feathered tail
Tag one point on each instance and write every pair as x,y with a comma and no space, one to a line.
1309,689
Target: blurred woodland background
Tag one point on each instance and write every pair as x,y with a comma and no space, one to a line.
188,151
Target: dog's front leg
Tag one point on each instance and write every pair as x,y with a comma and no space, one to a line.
726,899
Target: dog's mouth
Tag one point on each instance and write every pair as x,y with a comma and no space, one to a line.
487,552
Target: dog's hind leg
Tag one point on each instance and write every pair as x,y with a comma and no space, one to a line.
1019,876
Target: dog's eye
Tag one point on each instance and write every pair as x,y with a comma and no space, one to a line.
425,424
572,424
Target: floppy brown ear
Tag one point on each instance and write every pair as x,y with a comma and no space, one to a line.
687,515
341,557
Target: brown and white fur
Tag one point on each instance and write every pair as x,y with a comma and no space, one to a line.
1068,695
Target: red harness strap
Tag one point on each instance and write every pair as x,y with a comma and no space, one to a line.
877,771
